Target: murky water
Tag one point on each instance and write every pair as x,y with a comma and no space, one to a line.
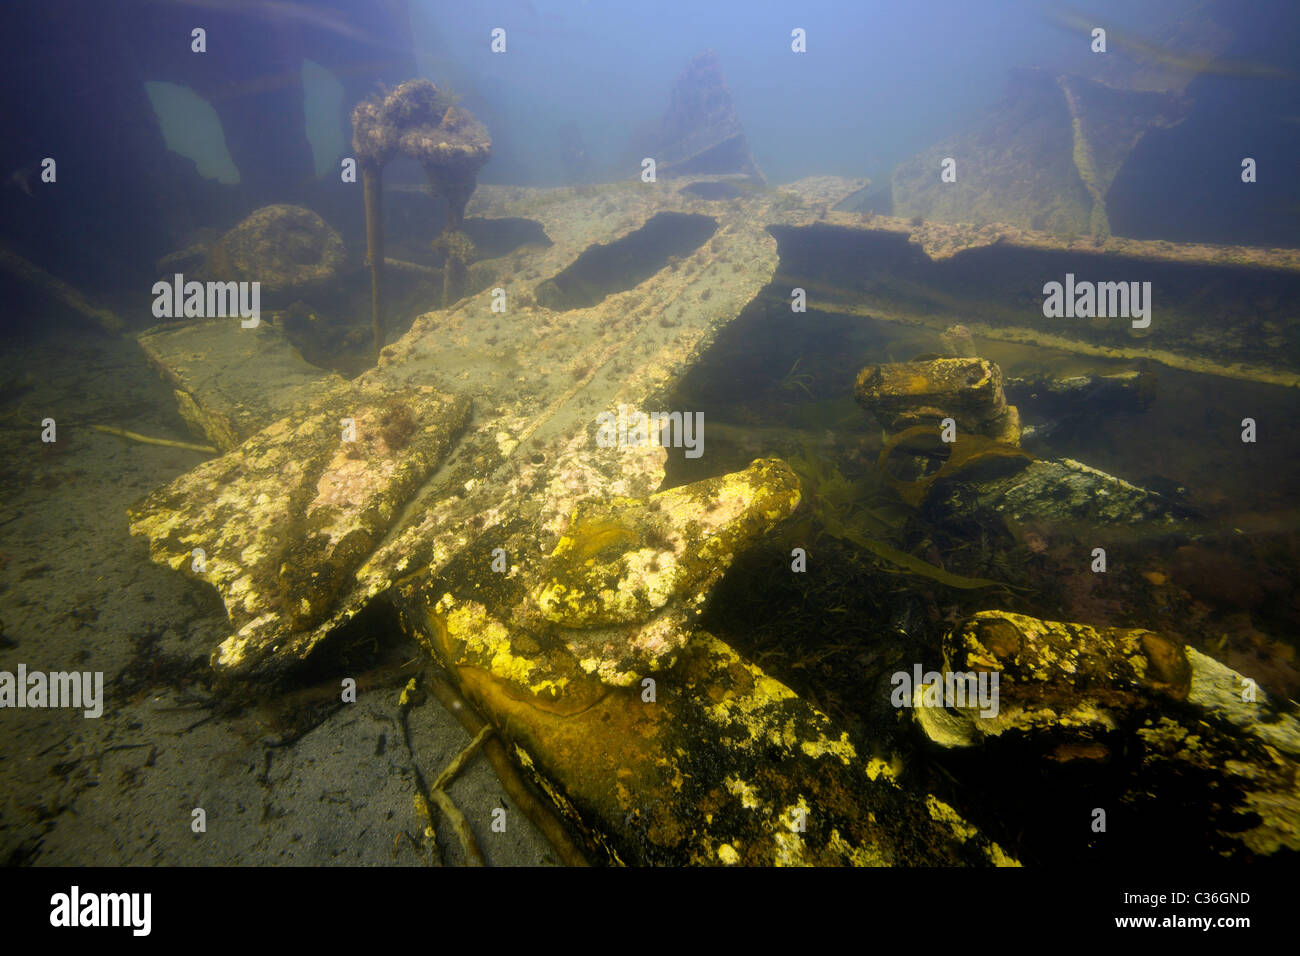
333,336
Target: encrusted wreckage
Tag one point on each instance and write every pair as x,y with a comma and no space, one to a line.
700,134
912,394
1045,157
422,122
1070,693
553,578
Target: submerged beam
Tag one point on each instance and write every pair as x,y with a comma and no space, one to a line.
1221,310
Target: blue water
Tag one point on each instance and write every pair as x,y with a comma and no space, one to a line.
879,80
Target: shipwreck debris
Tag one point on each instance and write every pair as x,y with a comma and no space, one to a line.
906,395
32,274
722,754
422,122
285,248
1070,694
700,133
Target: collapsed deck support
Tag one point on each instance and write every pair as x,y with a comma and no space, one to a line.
477,433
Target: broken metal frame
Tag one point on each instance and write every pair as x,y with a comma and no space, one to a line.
724,754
